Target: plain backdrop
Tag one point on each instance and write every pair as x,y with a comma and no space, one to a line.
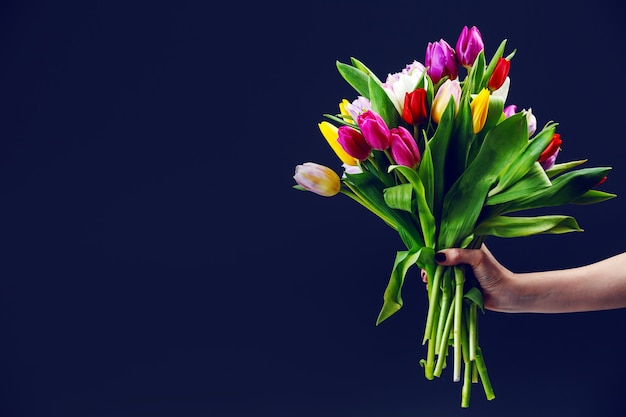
156,260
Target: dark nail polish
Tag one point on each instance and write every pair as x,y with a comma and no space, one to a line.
440,257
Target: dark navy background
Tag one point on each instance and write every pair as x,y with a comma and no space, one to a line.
156,261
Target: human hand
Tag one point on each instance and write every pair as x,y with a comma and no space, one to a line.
494,279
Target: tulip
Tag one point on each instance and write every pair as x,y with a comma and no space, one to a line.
374,129
343,110
450,89
318,179
440,61
531,120
353,142
549,154
503,91
510,110
331,134
397,85
499,74
415,107
480,107
403,148
468,46
358,106
351,169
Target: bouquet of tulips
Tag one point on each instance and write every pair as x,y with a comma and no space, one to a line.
446,163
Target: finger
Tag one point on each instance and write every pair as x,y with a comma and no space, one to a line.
456,256
424,276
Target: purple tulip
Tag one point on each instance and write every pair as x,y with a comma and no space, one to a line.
510,110
440,61
468,46
403,148
374,130
353,142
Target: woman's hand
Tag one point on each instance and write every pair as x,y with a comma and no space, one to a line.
495,280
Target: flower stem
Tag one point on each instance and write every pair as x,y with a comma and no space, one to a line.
473,331
433,299
484,377
443,343
459,279
443,309
467,372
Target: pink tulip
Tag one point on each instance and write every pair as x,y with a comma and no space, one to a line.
403,148
374,130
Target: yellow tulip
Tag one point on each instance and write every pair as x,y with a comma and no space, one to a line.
343,109
480,108
330,133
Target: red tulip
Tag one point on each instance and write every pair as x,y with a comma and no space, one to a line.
415,110
499,74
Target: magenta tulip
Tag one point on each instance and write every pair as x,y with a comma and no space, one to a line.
353,142
403,148
374,130
440,61
468,46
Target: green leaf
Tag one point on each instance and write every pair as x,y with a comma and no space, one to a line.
438,146
532,181
527,159
475,296
565,189
399,197
358,64
566,166
505,226
339,120
476,74
593,196
427,221
464,202
461,142
381,104
494,116
426,173
392,298
355,77
493,62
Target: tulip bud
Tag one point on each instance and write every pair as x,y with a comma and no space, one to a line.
318,179
353,142
549,154
374,129
450,89
468,46
440,61
480,107
403,148
415,107
499,74
531,120
331,134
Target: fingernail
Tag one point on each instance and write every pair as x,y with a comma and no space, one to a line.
440,257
